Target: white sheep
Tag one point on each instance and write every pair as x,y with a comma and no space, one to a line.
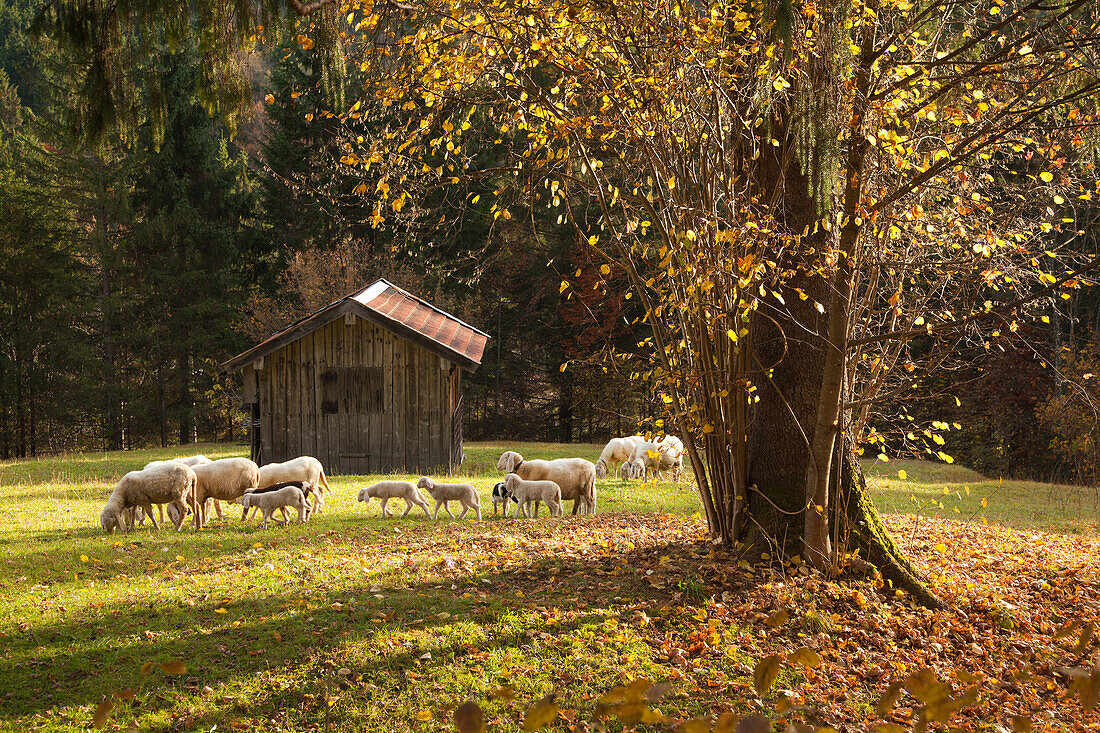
304,486
303,468
172,483
226,479
576,477
617,450
465,494
269,501
386,490
527,493
198,460
663,455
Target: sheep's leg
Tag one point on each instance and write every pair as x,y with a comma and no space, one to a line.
181,515
478,507
148,507
408,508
385,500
267,517
465,509
160,509
218,508
576,505
424,505
302,514
446,505
286,515
435,514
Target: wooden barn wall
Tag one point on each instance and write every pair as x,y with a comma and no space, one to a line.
411,433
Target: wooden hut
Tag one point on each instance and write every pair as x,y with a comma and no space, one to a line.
370,383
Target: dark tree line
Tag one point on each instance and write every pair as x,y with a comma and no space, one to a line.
131,267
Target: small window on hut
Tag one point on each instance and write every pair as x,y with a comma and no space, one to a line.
351,390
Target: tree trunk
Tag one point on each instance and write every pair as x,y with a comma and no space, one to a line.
183,370
862,529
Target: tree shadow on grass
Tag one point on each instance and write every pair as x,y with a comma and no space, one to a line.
75,661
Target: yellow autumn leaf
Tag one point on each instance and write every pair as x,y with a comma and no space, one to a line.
269,99
902,474
174,667
424,715
1047,176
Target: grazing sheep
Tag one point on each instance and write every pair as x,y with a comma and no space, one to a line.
303,468
527,493
617,450
304,486
172,483
663,455
575,476
465,494
192,461
226,479
269,501
386,490
500,496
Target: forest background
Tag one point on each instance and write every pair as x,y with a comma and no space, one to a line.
132,267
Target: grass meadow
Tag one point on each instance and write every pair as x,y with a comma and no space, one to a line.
354,622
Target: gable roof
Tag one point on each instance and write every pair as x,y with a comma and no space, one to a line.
389,307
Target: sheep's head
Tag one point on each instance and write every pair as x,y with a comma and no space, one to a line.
624,471
110,520
509,461
364,494
246,500
425,483
601,469
510,482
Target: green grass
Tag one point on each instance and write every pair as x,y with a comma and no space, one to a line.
367,623
938,489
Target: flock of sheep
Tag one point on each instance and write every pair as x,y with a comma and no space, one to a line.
192,484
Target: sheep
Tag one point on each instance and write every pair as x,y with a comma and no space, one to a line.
303,468
386,490
668,453
225,479
172,483
269,501
500,496
465,494
304,486
617,450
198,460
576,477
527,493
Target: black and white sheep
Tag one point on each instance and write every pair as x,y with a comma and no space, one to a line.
465,494
500,496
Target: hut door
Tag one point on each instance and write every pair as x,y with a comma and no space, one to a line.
254,434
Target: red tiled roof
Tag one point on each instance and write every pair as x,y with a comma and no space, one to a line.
395,309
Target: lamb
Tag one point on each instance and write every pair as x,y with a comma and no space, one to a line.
617,450
172,483
527,493
227,479
500,496
303,468
386,490
576,477
269,501
465,494
304,486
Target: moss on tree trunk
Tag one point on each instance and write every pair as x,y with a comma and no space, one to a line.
865,532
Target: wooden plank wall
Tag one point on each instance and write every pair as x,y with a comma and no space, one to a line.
411,434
